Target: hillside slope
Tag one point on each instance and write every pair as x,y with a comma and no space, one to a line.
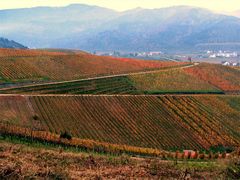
55,164
200,78
164,122
34,65
225,78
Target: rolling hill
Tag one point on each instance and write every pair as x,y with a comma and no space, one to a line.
95,28
168,81
117,117
45,65
88,74
225,78
160,122
117,105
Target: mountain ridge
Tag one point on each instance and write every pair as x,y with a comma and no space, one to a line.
95,28
5,43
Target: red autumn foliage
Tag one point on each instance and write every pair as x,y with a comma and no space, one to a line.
36,64
225,78
27,52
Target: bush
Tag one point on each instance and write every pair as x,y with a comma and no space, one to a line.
224,155
211,155
35,117
201,156
66,135
221,149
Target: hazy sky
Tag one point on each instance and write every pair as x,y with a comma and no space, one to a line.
215,5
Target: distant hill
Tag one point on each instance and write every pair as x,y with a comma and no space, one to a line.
40,27
182,28
95,28
53,65
5,43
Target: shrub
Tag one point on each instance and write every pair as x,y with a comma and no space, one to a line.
35,117
221,149
224,155
66,135
211,155
177,154
201,156
216,156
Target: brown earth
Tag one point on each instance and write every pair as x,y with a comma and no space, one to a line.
24,162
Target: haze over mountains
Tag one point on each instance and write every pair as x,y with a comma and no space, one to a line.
96,28
5,43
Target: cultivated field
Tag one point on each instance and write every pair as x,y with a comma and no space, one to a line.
161,122
28,53
172,81
223,77
113,85
119,107
30,65
185,79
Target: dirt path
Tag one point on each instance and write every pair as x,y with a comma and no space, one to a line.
114,95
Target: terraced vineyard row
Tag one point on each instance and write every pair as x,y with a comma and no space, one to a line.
223,77
161,82
59,66
172,81
164,122
27,52
11,69
114,85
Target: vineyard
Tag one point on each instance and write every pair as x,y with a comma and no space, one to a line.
173,81
161,122
112,103
170,81
34,65
225,78
113,85
27,52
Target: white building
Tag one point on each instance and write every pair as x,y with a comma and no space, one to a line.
226,63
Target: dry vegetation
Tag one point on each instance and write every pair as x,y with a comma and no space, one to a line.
24,162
